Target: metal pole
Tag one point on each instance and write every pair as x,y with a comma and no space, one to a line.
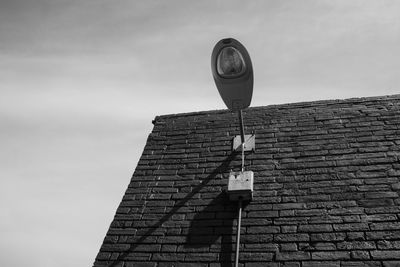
242,136
241,126
238,233
240,199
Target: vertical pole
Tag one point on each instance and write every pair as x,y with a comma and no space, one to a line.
240,199
241,126
242,136
238,233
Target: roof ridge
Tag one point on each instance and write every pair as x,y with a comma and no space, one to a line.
310,104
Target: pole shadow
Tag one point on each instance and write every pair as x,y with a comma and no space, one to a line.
179,204
214,226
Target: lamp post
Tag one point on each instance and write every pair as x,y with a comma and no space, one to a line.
233,75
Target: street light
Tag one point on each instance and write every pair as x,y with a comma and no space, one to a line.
233,75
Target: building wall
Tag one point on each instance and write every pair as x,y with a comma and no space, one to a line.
326,189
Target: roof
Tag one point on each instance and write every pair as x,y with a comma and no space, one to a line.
326,189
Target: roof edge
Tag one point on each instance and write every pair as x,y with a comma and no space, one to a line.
314,103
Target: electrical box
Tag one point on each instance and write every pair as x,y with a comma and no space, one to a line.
240,185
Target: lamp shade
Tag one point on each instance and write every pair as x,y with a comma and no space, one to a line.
233,73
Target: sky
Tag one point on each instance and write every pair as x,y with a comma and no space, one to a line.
81,81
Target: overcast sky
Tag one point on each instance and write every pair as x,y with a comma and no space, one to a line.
81,81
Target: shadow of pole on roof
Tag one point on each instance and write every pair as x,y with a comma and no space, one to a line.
213,222
220,169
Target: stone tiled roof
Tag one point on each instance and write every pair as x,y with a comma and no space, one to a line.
326,189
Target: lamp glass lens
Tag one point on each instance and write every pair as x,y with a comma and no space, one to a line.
230,62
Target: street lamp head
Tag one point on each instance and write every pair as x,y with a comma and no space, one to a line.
233,73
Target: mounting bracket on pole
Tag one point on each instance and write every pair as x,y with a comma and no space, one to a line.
249,143
242,141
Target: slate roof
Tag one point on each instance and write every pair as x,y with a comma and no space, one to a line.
326,189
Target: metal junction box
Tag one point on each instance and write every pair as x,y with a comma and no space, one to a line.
240,184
